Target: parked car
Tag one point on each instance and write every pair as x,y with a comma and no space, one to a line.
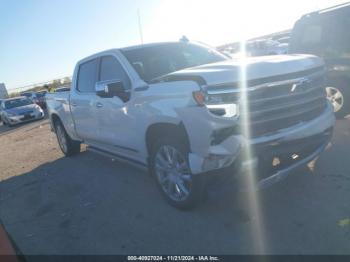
29,94
284,40
62,89
178,110
3,91
265,47
37,97
0,109
325,33
19,110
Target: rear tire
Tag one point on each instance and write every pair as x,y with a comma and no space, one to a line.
338,93
68,146
170,167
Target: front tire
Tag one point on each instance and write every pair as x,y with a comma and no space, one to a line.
338,93
6,123
170,168
68,146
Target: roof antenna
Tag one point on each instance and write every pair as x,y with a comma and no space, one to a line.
184,39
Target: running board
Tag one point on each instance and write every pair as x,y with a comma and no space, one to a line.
119,158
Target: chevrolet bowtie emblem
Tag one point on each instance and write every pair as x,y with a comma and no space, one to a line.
300,84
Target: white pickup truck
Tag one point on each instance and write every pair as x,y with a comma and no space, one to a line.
182,110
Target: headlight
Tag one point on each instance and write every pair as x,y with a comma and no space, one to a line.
225,110
199,97
225,105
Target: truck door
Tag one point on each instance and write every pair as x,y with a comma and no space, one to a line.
115,124
83,101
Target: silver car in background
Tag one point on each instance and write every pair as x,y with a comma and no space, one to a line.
19,110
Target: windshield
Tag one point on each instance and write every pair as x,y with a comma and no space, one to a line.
154,61
17,103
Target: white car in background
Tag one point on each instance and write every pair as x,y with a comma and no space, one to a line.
19,110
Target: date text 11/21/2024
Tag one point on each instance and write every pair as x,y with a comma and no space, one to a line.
173,258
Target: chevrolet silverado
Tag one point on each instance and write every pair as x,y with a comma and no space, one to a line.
183,110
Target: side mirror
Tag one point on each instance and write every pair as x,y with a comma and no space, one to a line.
109,89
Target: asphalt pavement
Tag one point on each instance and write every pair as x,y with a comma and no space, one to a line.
89,204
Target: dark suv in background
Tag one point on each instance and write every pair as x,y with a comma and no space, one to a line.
326,33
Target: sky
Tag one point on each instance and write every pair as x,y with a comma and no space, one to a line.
42,40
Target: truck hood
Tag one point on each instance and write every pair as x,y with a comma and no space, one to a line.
253,68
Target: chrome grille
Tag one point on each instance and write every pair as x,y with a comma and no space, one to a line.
278,105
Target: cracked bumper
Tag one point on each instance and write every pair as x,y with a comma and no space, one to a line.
230,150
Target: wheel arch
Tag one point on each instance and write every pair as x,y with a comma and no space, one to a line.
157,130
54,118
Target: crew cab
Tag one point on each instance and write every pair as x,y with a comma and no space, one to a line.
183,110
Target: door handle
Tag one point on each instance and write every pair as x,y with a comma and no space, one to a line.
99,105
74,104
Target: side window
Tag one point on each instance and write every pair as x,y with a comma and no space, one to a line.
87,76
312,35
111,69
338,36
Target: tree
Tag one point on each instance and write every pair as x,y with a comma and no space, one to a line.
67,80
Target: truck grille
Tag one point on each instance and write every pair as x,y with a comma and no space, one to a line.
282,104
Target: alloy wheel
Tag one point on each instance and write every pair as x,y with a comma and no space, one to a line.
61,137
173,173
335,97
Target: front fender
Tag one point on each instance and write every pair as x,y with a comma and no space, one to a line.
161,103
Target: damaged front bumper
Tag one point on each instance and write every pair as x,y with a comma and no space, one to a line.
291,147
283,173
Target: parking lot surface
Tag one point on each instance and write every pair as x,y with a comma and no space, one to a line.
88,204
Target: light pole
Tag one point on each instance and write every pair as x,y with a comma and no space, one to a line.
140,26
